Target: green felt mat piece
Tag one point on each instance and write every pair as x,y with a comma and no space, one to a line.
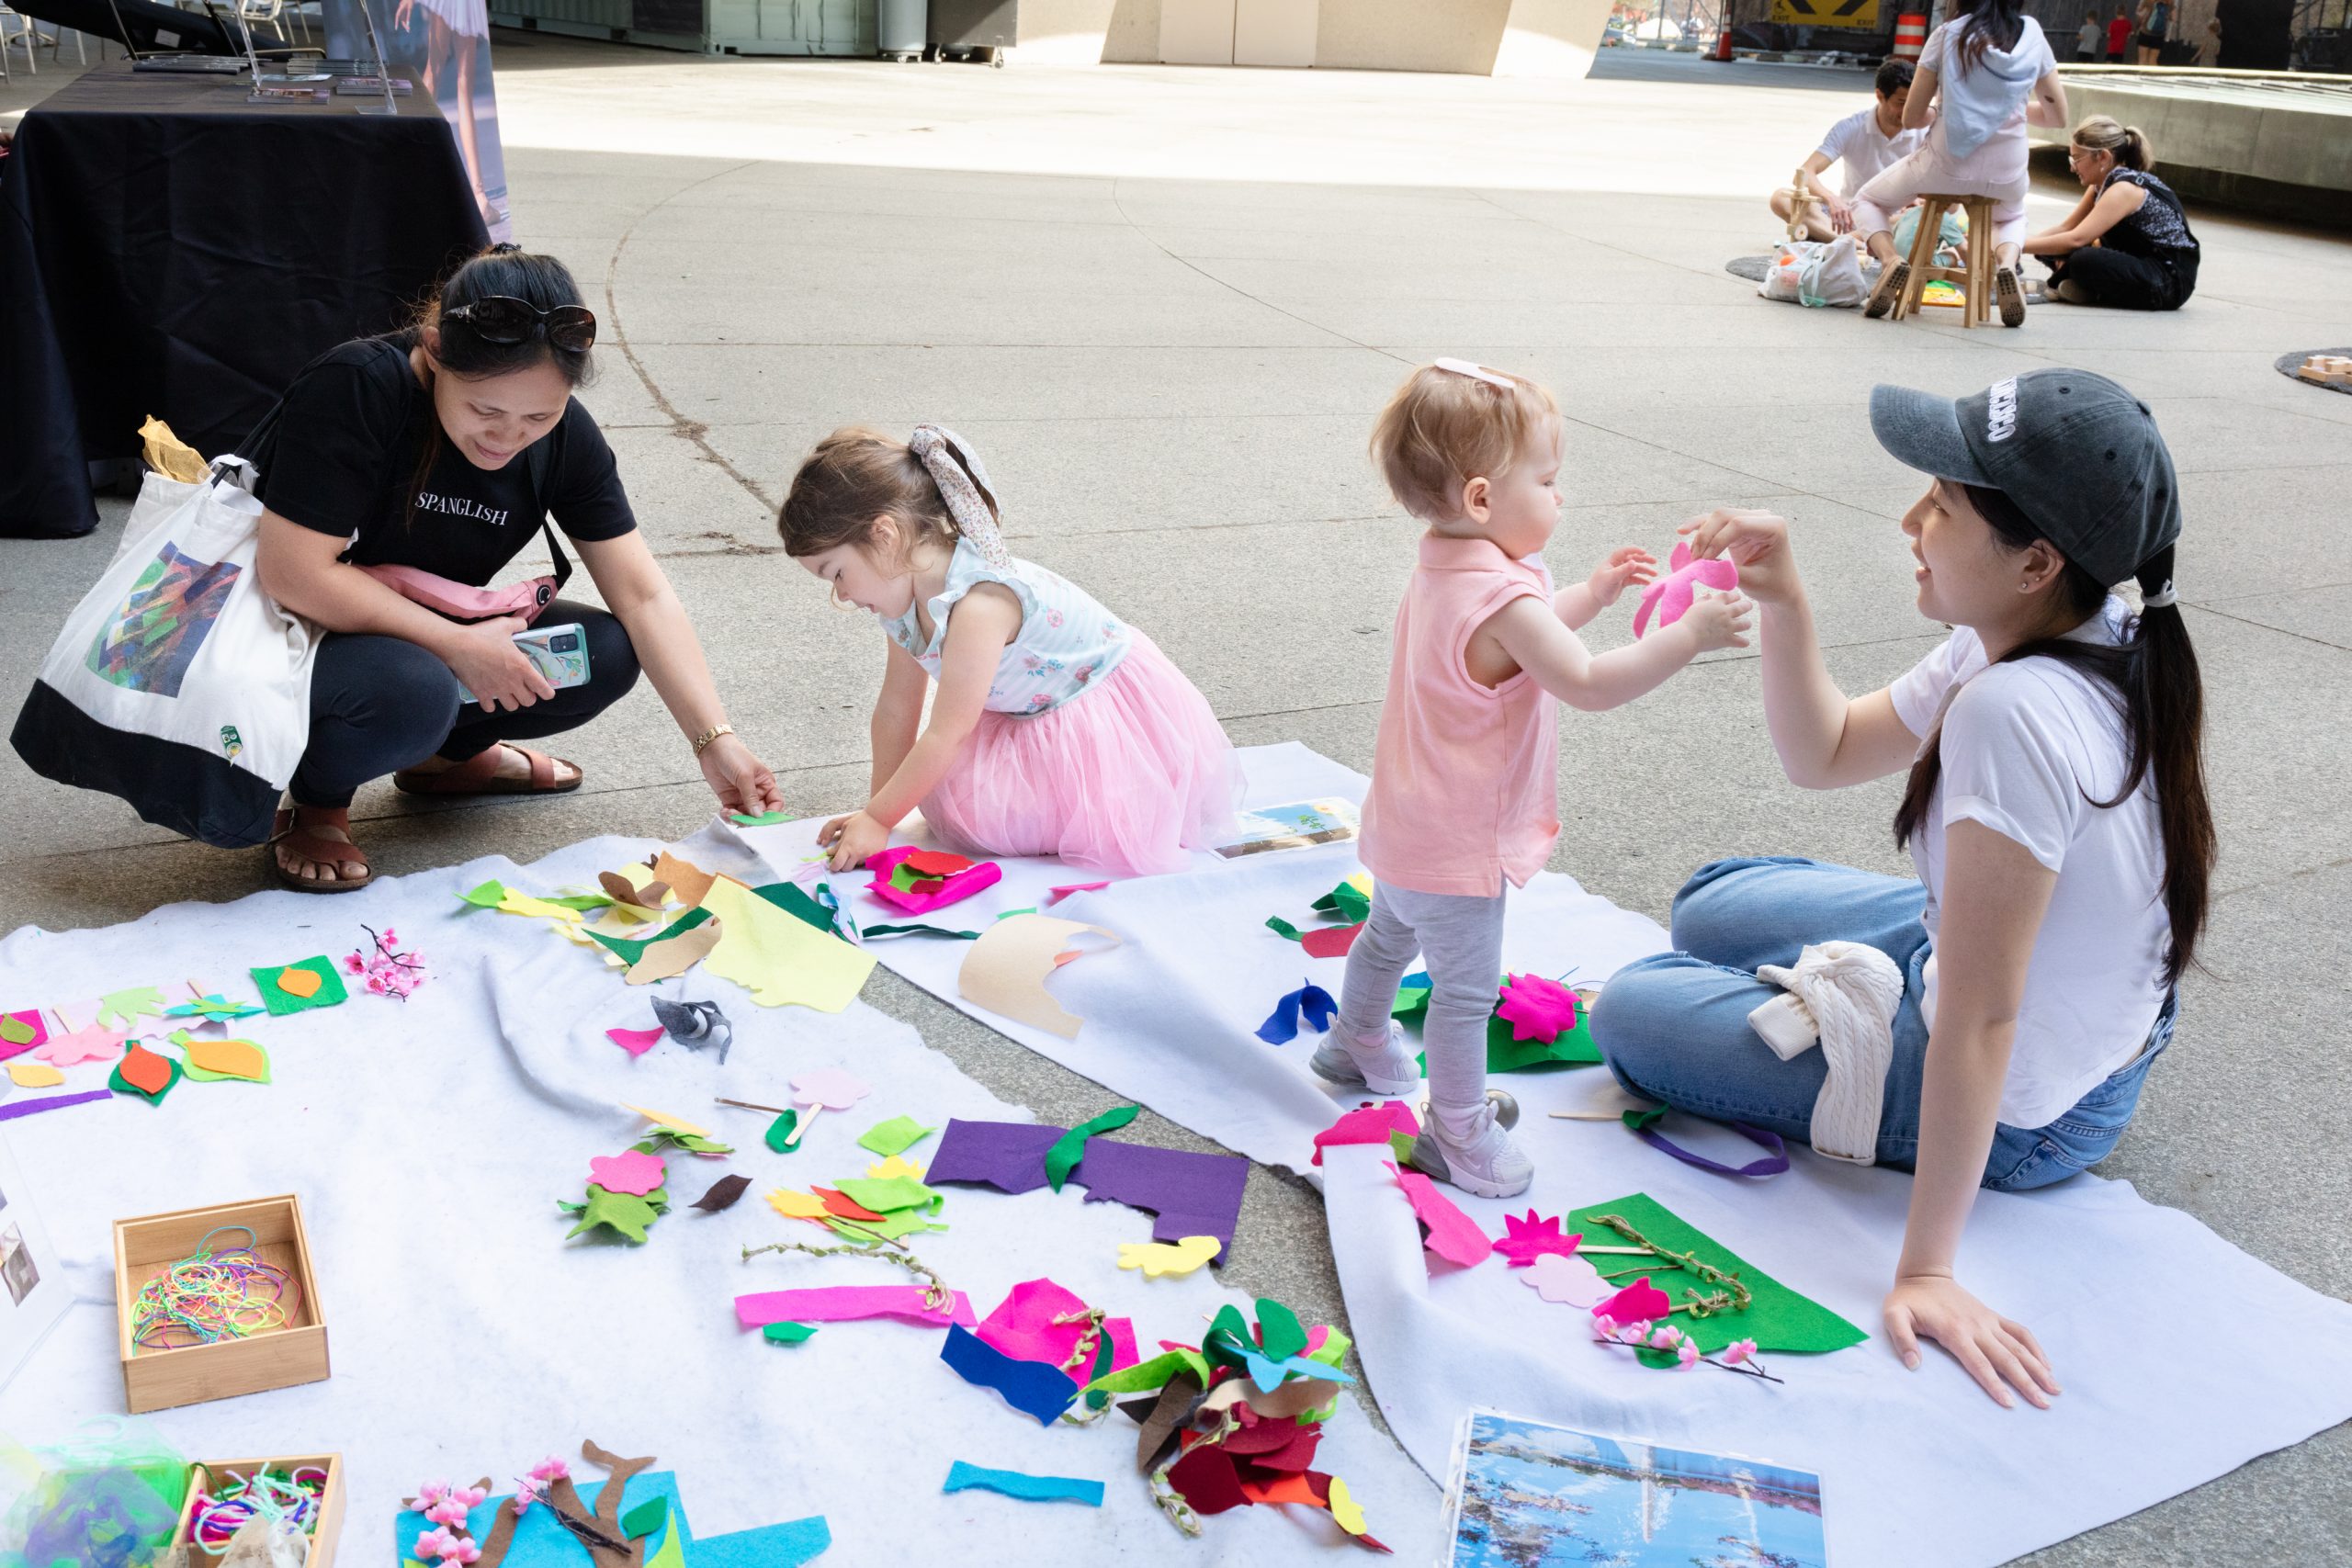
1778,1319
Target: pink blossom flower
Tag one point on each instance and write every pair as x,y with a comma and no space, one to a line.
551,1470
1738,1351
1666,1338
1634,1333
353,963
525,1493
1605,1326
471,1496
447,1511
460,1550
430,1543
1687,1356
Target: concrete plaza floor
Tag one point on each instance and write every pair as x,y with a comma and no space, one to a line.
1166,304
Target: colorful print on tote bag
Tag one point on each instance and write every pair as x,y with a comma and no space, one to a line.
151,641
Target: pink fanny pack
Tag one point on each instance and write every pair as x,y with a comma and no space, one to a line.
462,602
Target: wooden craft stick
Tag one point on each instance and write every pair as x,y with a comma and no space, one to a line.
747,1105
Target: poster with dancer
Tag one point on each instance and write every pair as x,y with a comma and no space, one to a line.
33,1292
442,47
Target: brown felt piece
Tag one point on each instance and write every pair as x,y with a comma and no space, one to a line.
1169,1414
1291,1399
684,878
1205,1478
722,1194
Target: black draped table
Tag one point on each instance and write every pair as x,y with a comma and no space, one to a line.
167,248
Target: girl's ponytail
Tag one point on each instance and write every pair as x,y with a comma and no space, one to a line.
2164,699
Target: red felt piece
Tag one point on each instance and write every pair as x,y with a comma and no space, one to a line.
1293,1456
1331,942
841,1205
1205,1478
145,1070
936,862
925,886
1288,1489
1261,1436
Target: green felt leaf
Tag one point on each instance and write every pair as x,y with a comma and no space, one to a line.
764,819
1573,1048
671,1552
487,896
631,949
1228,1332
787,896
903,878
781,1129
905,1222
582,902
1637,1120
887,1194
646,1518
1777,1319
1096,1399
916,928
621,1211
1283,928
1401,1146
894,1136
661,1139
121,1085
786,1333
1157,1371
1280,1334
1070,1147
15,1030
1352,903
1412,1005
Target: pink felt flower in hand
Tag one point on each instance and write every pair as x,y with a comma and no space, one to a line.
1537,1009
1670,595
1639,1299
633,1173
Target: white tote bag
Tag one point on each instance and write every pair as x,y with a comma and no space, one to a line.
177,683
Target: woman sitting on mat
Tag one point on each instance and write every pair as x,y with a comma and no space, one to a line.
2057,815
2127,243
442,449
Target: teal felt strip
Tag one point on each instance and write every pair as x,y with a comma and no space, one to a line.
962,1477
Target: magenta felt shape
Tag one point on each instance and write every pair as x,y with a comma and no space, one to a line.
1367,1124
848,1304
951,890
26,1024
636,1042
1537,1009
1022,1326
633,1173
1454,1236
1640,1302
1670,595
1525,1240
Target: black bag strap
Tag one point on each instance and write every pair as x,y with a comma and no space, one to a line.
540,460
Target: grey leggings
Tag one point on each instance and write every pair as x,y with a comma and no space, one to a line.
1462,941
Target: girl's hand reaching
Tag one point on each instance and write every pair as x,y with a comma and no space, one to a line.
854,840
1629,567
1717,620
1998,1354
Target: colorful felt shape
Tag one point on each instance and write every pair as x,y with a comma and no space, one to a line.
662,1119
722,1194
144,1073
964,1477
915,928
630,1172
1023,1327
795,1205
1777,1319
809,911
1331,942
300,987
1452,1234
1310,1002
1640,1302
213,1008
1367,1124
34,1075
781,1132
1344,1512
1644,1124
1156,1258
210,1060
938,878
14,1109
667,960
841,1206
1670,596
889,1194
788,1332
636,1042
695,1025
780,960
627,1213
1536,1009
889,1227
1525,1240
649,896
1278,1351
630,950
758,819
94,1043
1006,969
22,1031
1193,1194
1205,1478
1070,1147
850,1304
1033,1388
647,1516
1056,894
897,1165
1564,1278
681,877
1350,901
894,1136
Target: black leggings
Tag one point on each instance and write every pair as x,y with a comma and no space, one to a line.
379,704
2125,282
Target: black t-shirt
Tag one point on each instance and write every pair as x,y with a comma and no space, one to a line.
344,462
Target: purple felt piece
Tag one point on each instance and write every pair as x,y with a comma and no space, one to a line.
16,1108
1193,1194
1007,1156
1775,1152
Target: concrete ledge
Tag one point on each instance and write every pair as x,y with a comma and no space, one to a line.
1553,38
2269,142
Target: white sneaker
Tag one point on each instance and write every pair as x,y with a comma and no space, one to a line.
1390,1067
1486,1162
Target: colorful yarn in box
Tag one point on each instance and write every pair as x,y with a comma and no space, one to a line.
209,1297
293,1497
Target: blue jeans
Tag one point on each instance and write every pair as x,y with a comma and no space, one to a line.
1674,1027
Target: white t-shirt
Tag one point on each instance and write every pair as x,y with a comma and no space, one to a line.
2027,748
1855,143
1988,99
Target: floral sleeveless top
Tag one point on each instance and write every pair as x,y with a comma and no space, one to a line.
1067,641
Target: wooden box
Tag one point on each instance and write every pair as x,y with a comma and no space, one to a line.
325,1530
278,1358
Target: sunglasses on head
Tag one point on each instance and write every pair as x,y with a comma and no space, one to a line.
502,318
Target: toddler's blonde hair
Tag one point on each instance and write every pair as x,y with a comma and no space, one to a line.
1442,429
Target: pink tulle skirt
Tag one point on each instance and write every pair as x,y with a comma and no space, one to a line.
1123,779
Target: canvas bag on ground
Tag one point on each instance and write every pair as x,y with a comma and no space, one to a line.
177,684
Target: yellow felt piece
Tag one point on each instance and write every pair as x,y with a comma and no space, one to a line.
524,904
34,1075
796,1205
230,1058
1344,1511
778,958
662,1119
1180,1258
1005,971
897,1165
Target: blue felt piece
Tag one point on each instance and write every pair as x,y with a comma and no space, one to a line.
1281,1025
539,1541
770,1546
962,1477
1031,1387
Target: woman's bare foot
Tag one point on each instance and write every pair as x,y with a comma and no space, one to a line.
512,764
333,824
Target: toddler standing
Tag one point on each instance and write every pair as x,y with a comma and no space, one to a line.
1465,775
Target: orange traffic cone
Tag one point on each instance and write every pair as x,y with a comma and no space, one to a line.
1723,44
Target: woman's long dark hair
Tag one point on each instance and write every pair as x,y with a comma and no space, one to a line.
541,280
2152,674
1985,24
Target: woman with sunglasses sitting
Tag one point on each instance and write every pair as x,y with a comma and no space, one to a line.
410,469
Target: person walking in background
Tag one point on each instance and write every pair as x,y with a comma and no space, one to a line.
2155,22
2088,40
2118,35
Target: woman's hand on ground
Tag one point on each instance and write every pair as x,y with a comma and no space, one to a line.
500,675
1626,567
738,778
1999,1354
855,840
1756,542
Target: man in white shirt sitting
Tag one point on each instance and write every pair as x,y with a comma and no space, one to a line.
1863,142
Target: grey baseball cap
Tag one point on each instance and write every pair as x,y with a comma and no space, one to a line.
2080,457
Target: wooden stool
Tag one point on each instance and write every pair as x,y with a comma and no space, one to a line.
1974,280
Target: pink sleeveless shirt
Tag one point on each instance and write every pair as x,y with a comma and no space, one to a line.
1465,778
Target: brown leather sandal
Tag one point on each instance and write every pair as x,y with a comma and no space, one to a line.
479,776
317,848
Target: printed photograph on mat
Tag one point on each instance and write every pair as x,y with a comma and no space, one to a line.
443,47
36,1296
1294,827
1527,1494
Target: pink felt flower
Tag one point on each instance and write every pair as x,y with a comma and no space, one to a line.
1686,1356
1639,1299
1670,595
1537,1009
1739,1351
633,1173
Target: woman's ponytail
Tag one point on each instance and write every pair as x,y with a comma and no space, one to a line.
2127,144
2164,700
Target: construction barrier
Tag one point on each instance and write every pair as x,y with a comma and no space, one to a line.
1910,35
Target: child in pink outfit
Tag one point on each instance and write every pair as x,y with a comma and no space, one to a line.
1464,782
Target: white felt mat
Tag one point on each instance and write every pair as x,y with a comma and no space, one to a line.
1171,1012
429,1145
1916,1468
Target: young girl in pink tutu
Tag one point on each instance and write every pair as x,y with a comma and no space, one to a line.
1058,729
